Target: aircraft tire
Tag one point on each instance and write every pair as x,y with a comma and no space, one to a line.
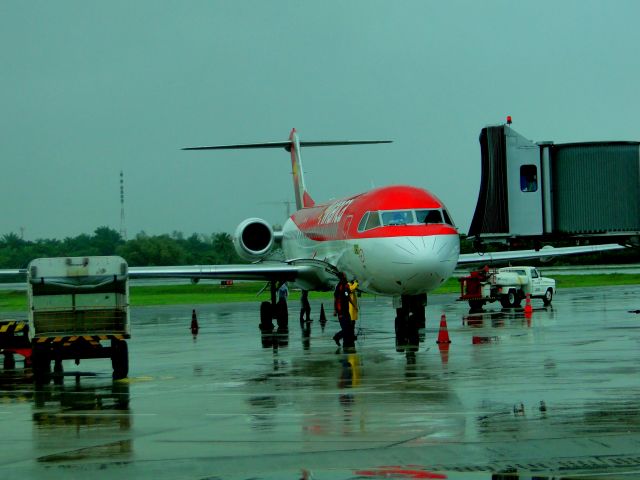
282,316
401,337
266,324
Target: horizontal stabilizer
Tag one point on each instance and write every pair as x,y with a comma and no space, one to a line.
287,145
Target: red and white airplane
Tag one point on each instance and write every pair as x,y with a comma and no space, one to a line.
398,241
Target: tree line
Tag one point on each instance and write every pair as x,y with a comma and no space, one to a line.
143,250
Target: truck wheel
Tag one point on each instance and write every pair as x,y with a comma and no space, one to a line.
119,359
476,304
41,364
548,296
9,361
510,300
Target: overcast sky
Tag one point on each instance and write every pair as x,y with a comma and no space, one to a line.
90,88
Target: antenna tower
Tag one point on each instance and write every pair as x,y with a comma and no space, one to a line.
123,229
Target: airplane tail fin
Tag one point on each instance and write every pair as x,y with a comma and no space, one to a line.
294,146
303,199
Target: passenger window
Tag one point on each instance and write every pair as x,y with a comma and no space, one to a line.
528,178
534,273
363,223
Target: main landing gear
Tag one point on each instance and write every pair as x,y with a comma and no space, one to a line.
270,311
410,320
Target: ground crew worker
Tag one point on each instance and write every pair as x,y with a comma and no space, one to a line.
353,301
305,310
283,292
282,316
341,302
194,323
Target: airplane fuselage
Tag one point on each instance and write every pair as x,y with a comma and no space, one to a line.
396,240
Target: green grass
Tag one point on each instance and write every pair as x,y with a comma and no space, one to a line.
15,301
598,280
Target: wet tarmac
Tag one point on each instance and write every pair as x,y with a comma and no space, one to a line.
556,394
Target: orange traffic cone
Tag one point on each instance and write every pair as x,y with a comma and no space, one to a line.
443,334
527,306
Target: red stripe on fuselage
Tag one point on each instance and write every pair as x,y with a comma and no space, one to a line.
338,220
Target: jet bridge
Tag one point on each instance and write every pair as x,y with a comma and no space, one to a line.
547,191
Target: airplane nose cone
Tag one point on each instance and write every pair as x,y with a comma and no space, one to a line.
415,265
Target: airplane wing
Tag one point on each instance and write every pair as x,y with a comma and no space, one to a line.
305,271
279,271
308,272
546,252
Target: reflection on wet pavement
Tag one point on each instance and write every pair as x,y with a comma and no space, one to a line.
511,396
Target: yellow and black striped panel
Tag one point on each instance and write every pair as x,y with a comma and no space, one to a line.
93,339
11,327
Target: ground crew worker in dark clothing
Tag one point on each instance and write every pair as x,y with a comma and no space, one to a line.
305,311
194,323
282,316
341,300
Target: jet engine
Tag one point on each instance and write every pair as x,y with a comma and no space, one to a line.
253,239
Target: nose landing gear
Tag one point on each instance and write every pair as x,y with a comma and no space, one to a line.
410,320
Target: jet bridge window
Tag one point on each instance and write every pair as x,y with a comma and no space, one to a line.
528,178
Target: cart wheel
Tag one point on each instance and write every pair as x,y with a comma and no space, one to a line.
41,364
9,361
119,359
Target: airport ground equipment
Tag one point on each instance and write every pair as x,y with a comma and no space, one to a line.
556,191
14,339
508,285
78,309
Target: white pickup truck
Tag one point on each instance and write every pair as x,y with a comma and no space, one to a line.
509,285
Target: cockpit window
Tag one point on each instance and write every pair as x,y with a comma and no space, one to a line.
400,217
363,222
429,216
404,217
373,221
447,218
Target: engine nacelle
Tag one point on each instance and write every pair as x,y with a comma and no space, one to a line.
253,239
